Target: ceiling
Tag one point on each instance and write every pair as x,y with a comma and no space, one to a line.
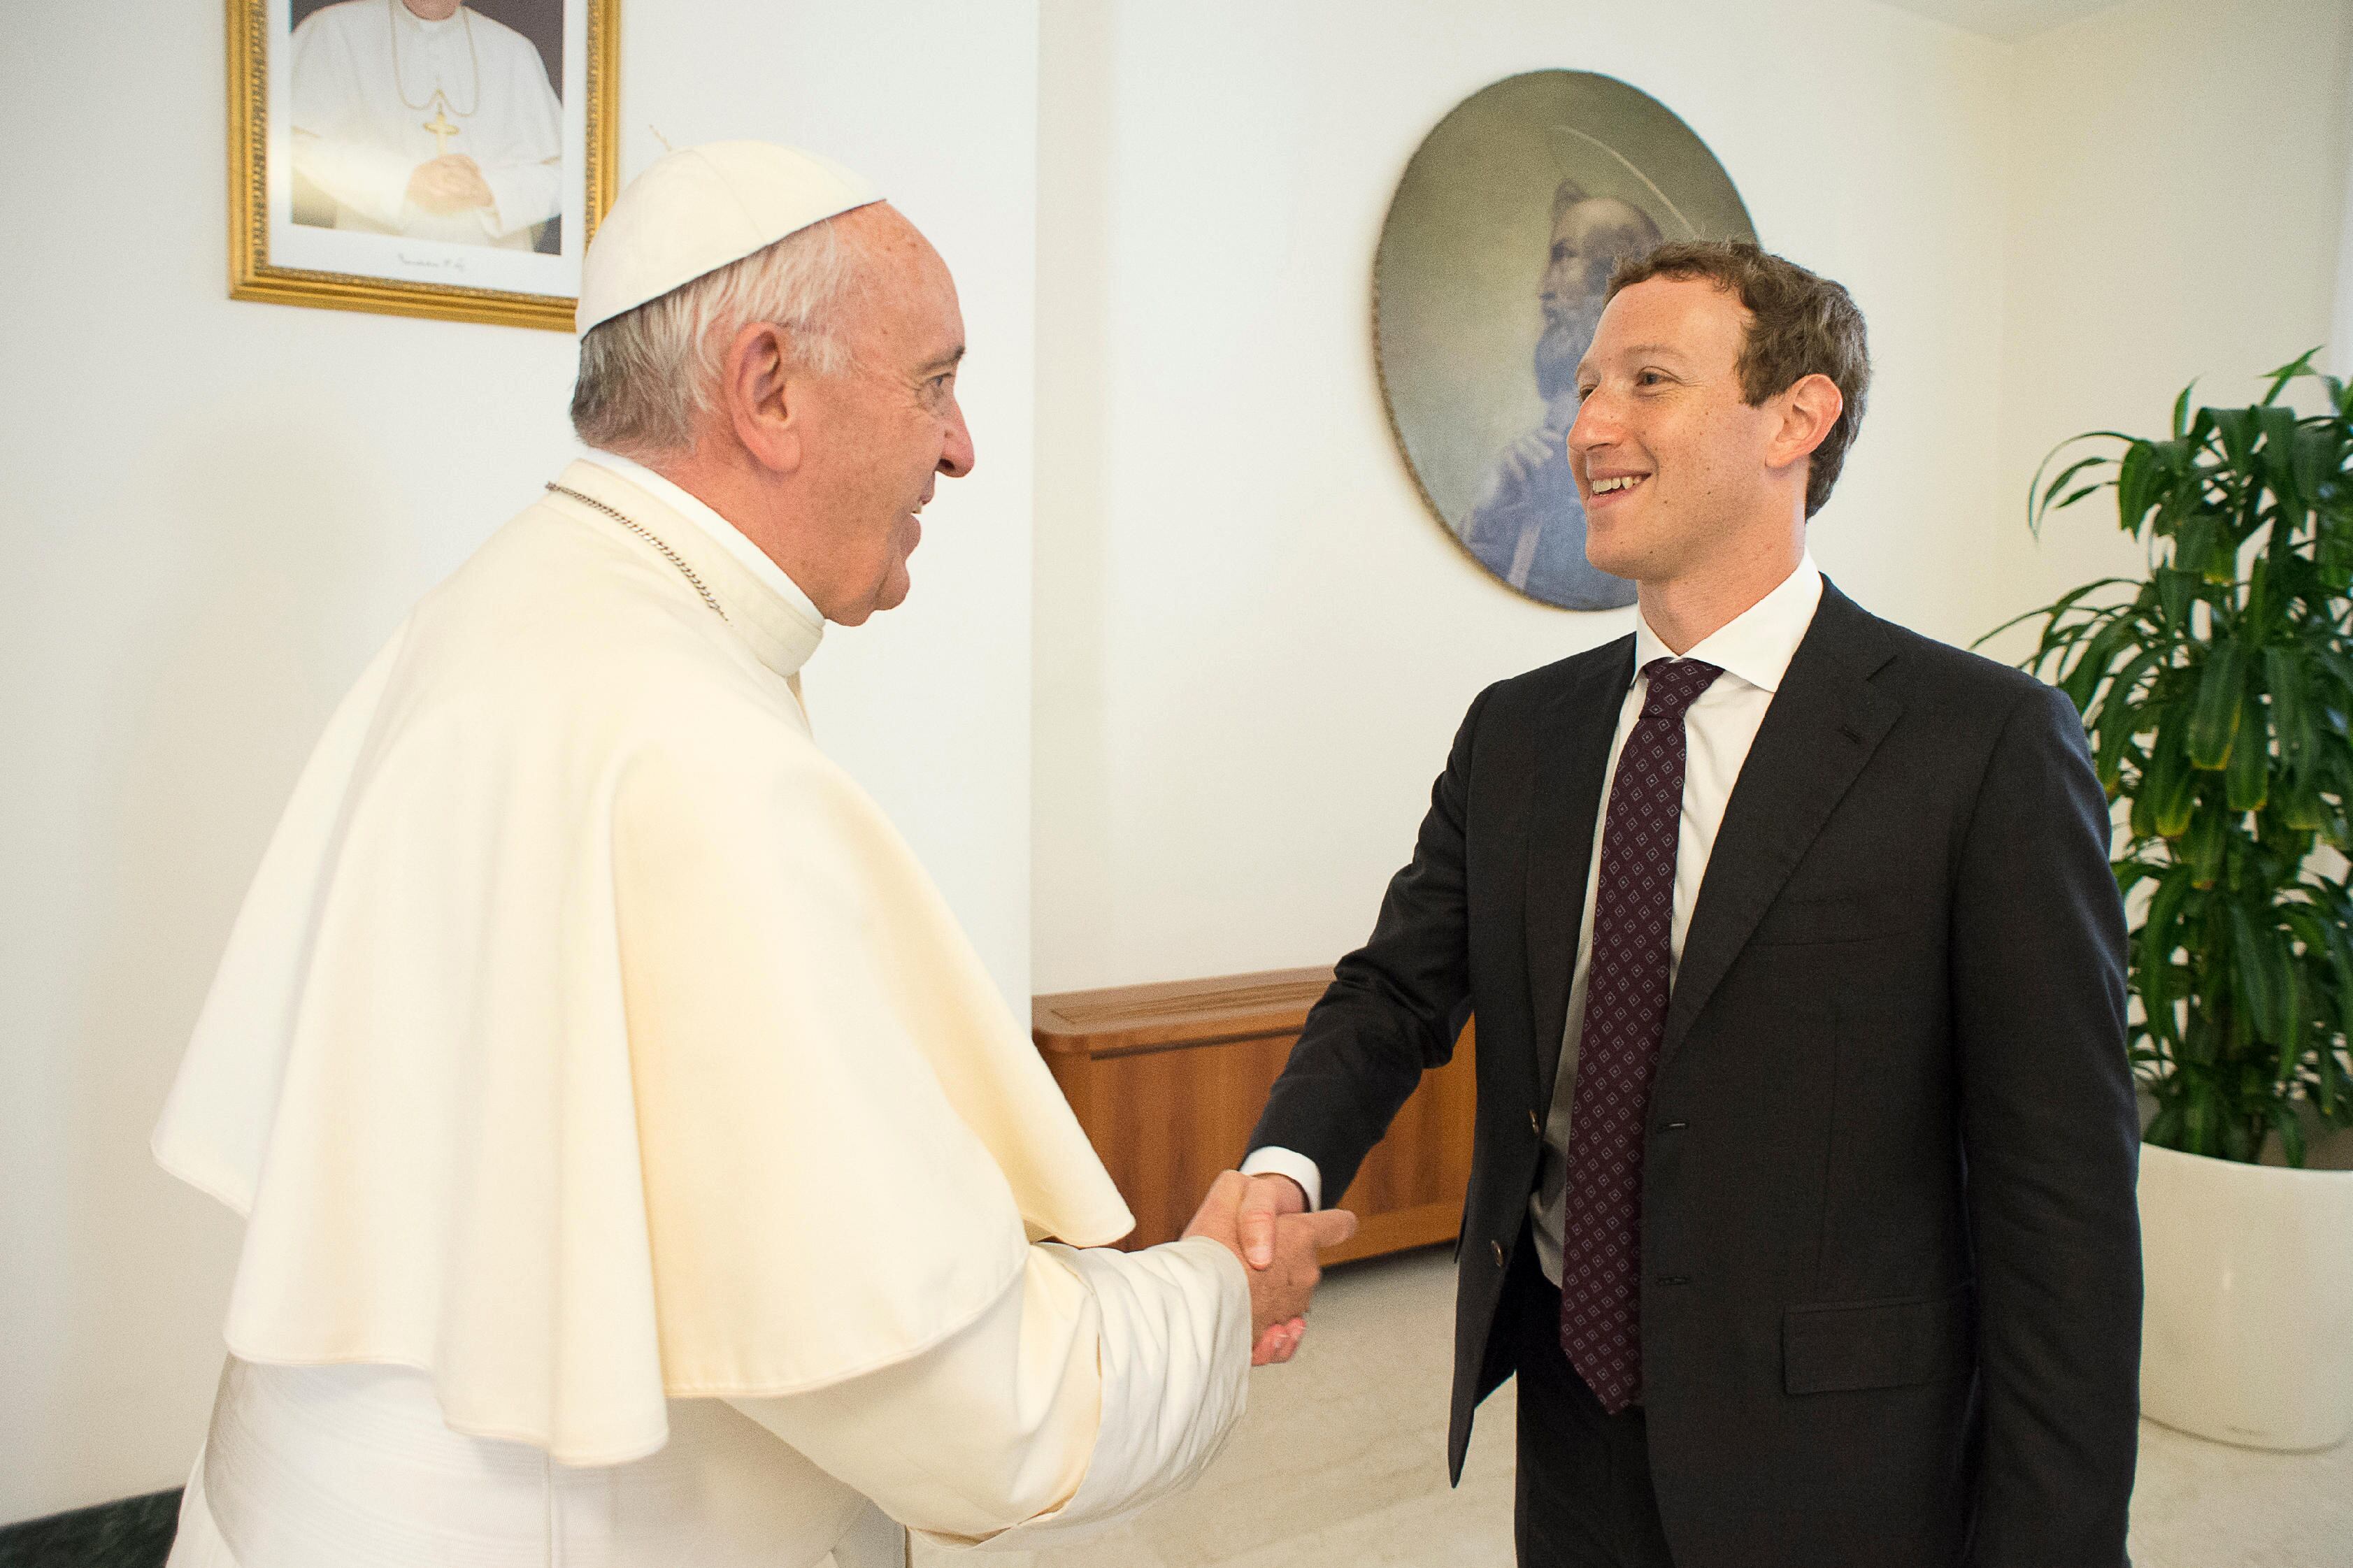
2007,19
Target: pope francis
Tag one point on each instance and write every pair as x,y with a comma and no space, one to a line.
638,1166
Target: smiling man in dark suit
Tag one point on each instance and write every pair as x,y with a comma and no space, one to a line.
1802,1201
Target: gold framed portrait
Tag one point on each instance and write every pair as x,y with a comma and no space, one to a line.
445,158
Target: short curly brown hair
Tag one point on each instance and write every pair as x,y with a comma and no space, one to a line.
1799,324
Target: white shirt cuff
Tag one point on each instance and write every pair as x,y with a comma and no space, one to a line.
1276,1161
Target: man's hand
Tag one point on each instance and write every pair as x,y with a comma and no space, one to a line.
452,183
1280,1287
1267,1200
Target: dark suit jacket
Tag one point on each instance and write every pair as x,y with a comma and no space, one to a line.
1891,1256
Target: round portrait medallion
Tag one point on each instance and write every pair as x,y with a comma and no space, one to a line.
1487,288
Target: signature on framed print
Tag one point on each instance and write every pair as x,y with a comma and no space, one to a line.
419,157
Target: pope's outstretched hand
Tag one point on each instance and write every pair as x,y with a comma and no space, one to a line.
1282,1284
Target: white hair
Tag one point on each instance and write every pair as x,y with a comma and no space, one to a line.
649,375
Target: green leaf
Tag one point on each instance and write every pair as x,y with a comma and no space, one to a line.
2300,365
2277,423
2238,1141
2196,549
2140,480
2069,472
2236,426
2299,1027
2083,678
2318,455
2291,1132
2285,679
2053,611
2246,777
2336,1091
2181,412
2171,784
2161,933
2340,948
2222,698
2208,842
2176,590
2300,805
2038,495
2201,1129
2262,973
2122,715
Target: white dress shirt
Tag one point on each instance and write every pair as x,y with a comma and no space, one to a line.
1754,650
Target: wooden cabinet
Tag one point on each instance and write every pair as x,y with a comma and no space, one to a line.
1168,1080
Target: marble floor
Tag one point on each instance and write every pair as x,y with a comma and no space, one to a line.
1341,1461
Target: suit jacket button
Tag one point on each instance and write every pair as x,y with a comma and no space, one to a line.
1499,1252
1534,1125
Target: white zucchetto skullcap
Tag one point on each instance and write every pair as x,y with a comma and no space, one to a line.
696,210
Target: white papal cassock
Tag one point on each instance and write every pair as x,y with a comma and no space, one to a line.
366,76
639,1166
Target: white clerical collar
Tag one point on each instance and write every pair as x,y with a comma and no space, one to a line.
424,25
725,534
1758,644
772,616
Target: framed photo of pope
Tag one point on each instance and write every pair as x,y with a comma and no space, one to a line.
419,157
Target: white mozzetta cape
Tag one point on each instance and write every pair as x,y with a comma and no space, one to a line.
587,1039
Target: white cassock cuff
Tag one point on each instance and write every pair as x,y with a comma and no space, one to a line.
522,194
1276,1161
1099,1383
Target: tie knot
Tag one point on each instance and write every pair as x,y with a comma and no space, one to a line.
1675,685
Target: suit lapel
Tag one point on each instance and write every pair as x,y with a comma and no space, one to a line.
1823,725
1572,755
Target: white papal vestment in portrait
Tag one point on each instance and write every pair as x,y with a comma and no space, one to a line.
638,1165
371,76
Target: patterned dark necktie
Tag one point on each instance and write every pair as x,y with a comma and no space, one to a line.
1625,1019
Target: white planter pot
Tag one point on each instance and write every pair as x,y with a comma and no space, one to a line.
2247,1330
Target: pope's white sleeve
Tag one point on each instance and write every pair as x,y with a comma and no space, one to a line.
526,179
1099,1383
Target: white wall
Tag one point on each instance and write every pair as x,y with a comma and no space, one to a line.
1253,643
214,511
2177,192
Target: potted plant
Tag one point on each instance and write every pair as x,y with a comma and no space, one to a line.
2217,695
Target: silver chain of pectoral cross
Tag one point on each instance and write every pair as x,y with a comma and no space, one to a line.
642,532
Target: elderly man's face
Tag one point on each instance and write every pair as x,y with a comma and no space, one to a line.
888,425
1588,238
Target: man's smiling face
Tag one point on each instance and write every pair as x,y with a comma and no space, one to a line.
1669,456
889,423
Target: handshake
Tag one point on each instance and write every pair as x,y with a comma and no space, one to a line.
1264,1222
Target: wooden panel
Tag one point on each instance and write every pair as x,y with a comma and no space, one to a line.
1168,1080
1185,1012
1399,1229
1166,1121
